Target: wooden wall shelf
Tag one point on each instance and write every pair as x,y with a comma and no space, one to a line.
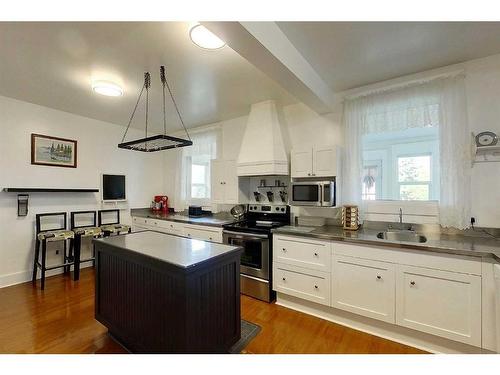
48,190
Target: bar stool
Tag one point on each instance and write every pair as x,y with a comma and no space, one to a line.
82,231
52,235
113,227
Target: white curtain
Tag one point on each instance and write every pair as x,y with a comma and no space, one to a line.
204,148
455,155
438,103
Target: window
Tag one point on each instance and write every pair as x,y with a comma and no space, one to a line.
372,180
200,180
196,173
414,177
401,165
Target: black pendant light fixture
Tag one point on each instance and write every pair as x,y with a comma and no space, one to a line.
161,141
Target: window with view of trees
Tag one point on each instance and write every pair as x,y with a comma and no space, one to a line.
401,165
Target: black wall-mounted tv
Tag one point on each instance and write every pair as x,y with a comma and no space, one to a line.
113,187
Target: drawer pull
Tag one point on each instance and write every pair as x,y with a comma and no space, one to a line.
379,277
284,279
284,250
412,282
316,287
210,238
315,254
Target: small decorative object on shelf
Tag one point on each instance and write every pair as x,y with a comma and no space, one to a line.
485,148
350,217
486,139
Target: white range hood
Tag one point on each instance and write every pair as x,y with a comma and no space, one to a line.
262,150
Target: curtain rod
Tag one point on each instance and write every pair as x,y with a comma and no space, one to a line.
405,84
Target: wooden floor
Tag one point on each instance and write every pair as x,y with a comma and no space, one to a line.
61,320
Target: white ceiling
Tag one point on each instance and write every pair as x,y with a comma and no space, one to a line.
52,64
352,54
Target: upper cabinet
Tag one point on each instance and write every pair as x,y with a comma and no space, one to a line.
224,182
315,161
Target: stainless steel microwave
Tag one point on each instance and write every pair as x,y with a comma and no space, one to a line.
313,193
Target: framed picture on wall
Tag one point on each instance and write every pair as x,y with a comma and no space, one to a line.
53,151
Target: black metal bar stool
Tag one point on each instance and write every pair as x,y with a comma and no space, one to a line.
44,236
113,226
85,230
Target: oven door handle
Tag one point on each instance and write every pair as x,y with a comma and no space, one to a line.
240,235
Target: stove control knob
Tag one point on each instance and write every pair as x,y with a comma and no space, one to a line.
282,209
277,208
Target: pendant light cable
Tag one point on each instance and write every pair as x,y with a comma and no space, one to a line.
133,112
177,108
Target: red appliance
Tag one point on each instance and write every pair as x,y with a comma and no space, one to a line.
161,203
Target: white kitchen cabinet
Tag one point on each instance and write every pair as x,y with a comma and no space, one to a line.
301,162
365,287
225,189
171,227
303,252
442,303
204,233
307,284
315,161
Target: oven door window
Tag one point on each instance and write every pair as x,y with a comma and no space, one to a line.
305,193
252,252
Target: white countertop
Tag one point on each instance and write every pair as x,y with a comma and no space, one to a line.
180,251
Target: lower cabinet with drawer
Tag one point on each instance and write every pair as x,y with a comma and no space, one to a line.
447,304
365,287
171,227
437,294
204,233
303,283
303,252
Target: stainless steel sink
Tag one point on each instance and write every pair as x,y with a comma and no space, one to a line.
403,235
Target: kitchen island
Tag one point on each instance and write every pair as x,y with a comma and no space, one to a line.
159,293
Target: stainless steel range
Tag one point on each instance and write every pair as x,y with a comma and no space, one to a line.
254,235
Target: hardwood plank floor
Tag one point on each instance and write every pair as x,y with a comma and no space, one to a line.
61,320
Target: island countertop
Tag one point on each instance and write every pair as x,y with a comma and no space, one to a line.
479,246
178,251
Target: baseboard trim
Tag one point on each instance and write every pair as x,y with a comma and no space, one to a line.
14,278
25,276
378,328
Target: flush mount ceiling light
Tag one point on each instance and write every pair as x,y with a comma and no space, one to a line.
155,142
107,88
204,38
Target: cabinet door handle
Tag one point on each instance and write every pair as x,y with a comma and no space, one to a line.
284,250
308,174
210,238
316,287
379,277
315,254
284,279
412,282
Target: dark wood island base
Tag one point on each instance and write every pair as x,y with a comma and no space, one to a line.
158,293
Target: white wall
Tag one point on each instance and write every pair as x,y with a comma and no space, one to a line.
97,153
